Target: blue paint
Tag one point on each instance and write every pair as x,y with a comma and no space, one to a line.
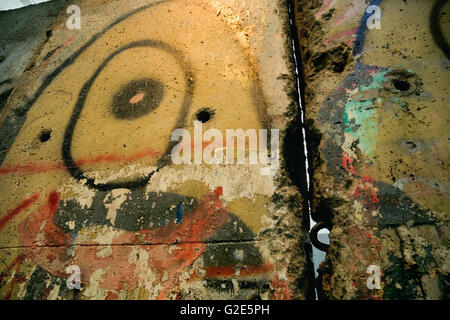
179,212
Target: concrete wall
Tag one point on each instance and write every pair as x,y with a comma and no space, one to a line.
378,109
22,33
86,177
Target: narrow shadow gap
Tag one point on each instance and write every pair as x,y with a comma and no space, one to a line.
296,151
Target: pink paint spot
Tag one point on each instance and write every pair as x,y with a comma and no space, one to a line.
137,98
350,42
61,48
344,34
325,6
349,12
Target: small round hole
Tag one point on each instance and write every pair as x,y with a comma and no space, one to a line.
204,116
45,135
401,85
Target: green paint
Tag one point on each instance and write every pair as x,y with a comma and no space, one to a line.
377,81
359,117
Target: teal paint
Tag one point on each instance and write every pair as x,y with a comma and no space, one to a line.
360,121
377,81
360,116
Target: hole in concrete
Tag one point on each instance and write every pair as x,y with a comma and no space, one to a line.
401,85
204,115
45,135
411,145
2,58
403,82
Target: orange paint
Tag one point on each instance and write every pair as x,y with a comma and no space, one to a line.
61,48
118,158
21,207
228,271
30,169
189,236
219,191
112,296
282,291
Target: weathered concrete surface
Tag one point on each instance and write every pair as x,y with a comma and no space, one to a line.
378,109
22,32
85,181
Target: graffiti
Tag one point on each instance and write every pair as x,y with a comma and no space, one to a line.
351,11
21,207
107,135
314,234
137,98
76,171
346,27
191,234
372,111
52,54
436,29
358,121
31,169
10,127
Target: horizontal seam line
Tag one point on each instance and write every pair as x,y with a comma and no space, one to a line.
133,244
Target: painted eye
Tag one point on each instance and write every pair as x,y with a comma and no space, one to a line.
137,99
114,103
134,99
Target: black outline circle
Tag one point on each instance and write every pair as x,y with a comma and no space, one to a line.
73,168
313,235
435,27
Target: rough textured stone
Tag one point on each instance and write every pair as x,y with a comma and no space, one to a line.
377,105
23,31
85,181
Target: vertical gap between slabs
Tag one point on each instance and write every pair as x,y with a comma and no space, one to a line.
315,255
